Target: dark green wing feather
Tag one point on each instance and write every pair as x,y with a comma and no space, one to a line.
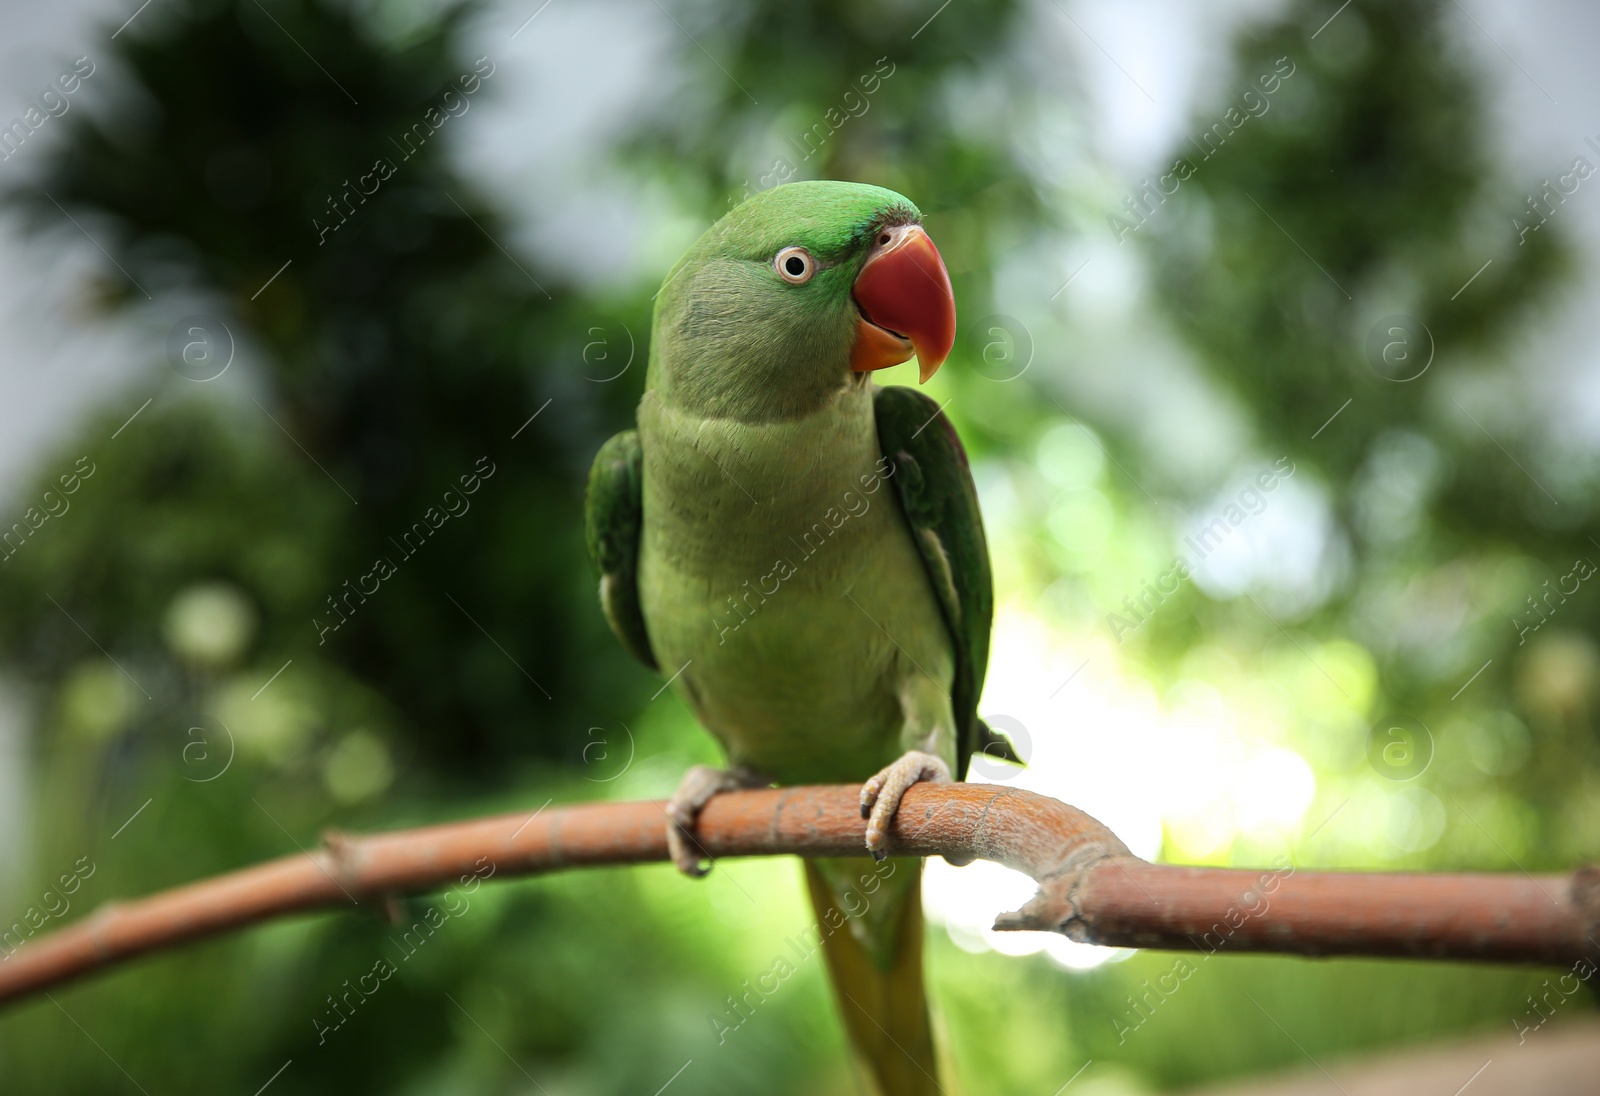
934,485
612,511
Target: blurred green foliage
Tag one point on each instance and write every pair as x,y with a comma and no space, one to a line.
1440,470
168,630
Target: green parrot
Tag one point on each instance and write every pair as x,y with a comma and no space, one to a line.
802,552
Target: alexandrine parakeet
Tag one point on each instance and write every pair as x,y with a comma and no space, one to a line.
801,550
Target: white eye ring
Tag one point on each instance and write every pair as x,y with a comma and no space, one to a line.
795,265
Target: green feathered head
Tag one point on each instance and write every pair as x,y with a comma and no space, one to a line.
796,293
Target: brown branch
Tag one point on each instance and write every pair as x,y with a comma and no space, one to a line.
1091,887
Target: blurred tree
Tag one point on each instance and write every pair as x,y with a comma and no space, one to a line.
920,99
394,342
403,349
213,649
211,645
1357,249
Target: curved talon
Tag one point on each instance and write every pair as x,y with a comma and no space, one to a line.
695,790
881,795
686,858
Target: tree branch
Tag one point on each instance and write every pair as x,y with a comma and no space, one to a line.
1092,888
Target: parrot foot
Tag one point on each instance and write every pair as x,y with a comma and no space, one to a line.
880,796
695,790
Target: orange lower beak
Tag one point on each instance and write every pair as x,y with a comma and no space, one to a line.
907,308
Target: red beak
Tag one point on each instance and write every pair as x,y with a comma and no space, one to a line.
906,304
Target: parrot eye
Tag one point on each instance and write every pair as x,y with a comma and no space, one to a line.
795,265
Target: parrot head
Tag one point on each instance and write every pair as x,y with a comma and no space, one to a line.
796,293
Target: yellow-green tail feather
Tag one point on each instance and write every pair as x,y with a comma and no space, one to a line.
880,991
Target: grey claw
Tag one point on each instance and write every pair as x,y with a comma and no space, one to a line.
685,851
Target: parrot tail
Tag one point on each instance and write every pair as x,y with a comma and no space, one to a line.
879,990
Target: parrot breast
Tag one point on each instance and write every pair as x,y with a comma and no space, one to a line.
779,581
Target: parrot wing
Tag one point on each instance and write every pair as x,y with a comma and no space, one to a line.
613,512
934,484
